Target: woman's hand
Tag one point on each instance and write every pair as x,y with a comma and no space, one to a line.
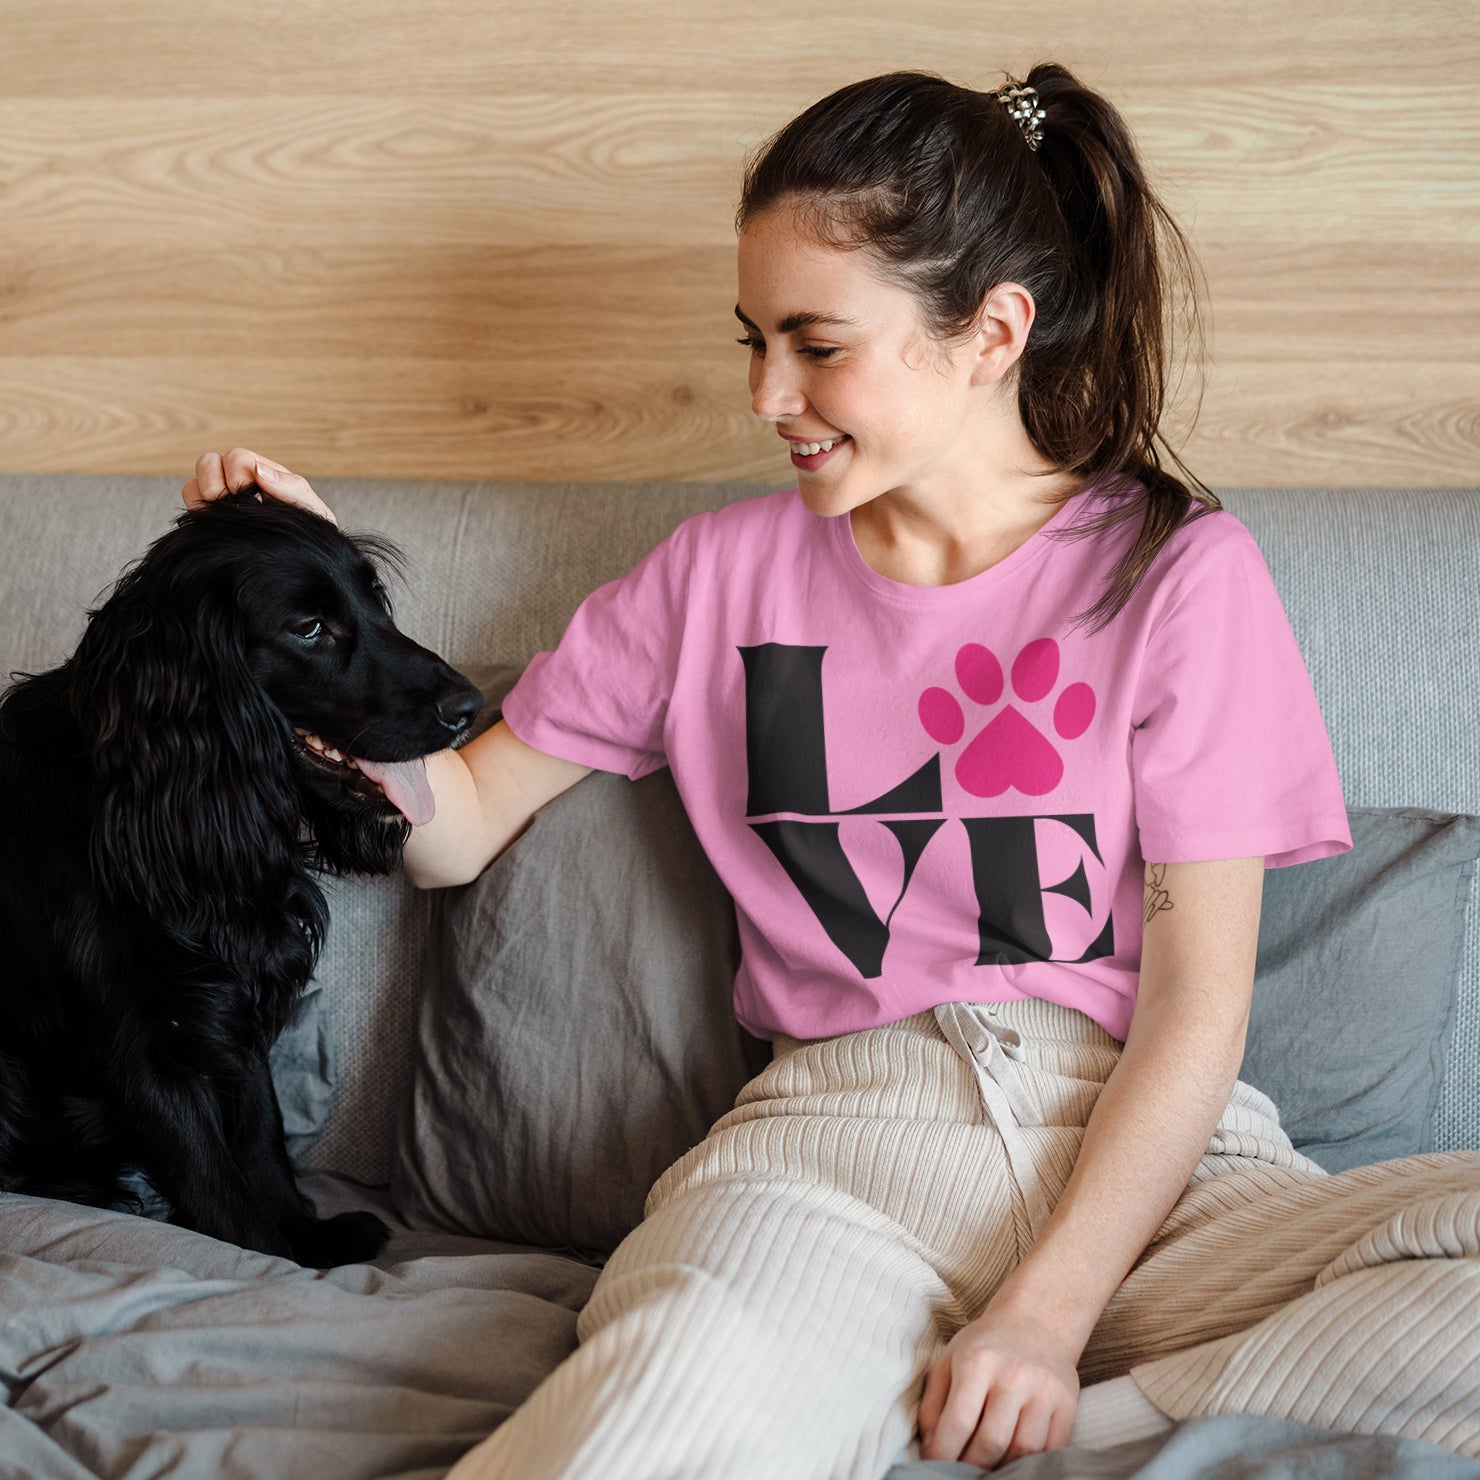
1003,1388
215,475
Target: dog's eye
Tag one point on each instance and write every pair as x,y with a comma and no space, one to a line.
308,630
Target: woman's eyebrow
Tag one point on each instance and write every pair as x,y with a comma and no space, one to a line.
794,321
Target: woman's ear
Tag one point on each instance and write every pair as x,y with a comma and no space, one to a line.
1002,327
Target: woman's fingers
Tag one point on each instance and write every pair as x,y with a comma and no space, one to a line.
970,1412
209,481
241,465
967,1382
292,489
933,1400
1031,1435
1061,1424
990,1436
216,475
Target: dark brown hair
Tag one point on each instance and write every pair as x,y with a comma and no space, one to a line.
939,184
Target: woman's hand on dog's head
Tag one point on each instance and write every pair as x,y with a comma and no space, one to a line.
215,475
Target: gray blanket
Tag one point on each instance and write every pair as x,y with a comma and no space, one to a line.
1238,1448
133,1349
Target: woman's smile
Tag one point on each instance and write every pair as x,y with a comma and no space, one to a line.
809,456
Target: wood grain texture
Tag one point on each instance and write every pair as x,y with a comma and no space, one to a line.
476,239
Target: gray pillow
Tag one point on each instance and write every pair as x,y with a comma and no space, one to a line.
303,1073
576,1034
1355,985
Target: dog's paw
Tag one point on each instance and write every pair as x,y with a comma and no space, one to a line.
346,1238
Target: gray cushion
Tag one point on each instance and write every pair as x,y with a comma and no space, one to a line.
342,1068
576,1035
345,1064
1355,986
1379,585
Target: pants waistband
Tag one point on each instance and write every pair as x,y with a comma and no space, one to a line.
1033,1017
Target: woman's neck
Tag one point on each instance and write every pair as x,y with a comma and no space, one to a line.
922,552
962,525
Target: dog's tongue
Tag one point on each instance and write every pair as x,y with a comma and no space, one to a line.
405,785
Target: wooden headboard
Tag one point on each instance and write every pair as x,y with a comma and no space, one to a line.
477,238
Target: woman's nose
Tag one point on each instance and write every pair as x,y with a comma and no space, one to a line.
774,393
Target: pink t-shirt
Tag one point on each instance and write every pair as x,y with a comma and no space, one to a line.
923,794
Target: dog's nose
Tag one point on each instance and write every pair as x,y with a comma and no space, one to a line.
458,710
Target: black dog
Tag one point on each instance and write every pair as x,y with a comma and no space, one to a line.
240,712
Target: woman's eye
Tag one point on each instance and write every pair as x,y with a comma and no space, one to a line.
812,351
309,630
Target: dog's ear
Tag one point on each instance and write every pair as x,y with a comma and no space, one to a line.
193,796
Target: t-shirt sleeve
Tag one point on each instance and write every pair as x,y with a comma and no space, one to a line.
601,698
1229,753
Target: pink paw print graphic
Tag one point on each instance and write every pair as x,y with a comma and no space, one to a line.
1010,750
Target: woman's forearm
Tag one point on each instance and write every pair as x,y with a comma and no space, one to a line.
1161,1103
1151,1125
486,795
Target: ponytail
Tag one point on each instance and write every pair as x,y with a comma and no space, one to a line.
954,191
1093,381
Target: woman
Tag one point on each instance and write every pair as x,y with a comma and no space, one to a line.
991,727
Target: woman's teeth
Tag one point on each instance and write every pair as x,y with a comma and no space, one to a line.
811,449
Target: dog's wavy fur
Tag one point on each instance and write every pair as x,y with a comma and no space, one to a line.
162,829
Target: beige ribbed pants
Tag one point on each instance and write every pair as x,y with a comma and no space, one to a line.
800,1269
